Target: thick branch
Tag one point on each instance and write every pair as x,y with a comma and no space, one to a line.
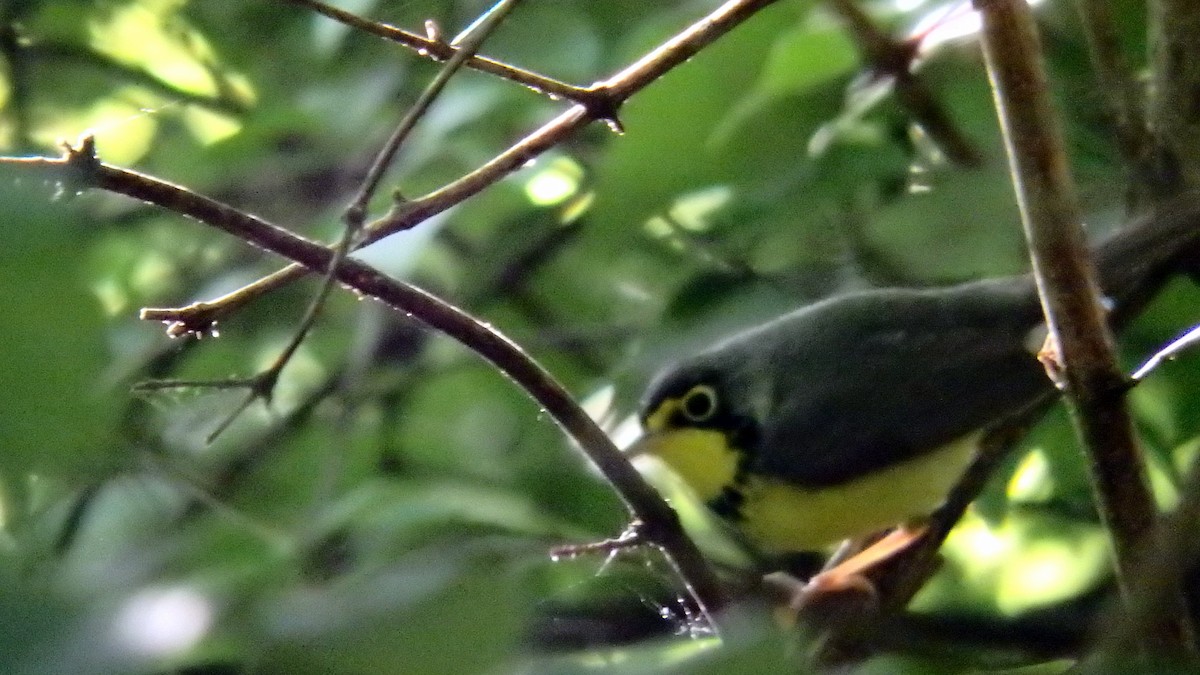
657,522
1066,281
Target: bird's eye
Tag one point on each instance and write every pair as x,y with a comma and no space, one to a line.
700,403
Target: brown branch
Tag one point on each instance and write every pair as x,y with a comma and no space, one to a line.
1066,281
654,520
1169,553
894,59
607,97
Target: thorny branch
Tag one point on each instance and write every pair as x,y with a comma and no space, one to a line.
605,99
655,521
434,47
262,385
357,211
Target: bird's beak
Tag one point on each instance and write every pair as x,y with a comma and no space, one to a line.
655,434
649,443
701,457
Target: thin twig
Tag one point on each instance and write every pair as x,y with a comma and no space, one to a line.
433,47
356,212
1066,280
1173,350
262,386
608,96
657,523
890,58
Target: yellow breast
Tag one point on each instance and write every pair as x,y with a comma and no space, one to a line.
779,516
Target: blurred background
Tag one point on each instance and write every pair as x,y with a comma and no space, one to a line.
394,508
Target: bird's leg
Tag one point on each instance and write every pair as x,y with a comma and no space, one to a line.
860,570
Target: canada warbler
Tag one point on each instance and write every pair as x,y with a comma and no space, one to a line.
862,410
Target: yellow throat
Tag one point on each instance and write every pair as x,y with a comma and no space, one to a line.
778,516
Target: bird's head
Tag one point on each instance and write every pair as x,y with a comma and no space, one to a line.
693,421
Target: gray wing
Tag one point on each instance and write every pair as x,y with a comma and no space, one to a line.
927,366
876,377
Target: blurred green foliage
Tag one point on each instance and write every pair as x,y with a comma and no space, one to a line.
394,508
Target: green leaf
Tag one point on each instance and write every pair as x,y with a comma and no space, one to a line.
430,614
58,410
805,57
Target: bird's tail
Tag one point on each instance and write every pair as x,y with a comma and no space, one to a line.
1135,262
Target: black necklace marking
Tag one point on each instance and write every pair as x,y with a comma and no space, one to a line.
742,437
728,504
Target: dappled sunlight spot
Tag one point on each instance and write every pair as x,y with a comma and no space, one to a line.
1032,481
111,295
577,206
849,128
5,92
1163,484
210,127
1031,559
1052,569
658,227
161,622
694,211
153,272
557,181
1185,456
979,541
633,291
123,130
151,36
979,550
976,552
598,404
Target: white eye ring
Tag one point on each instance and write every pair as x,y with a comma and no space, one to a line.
699,404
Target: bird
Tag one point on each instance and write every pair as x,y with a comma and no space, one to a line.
861,411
